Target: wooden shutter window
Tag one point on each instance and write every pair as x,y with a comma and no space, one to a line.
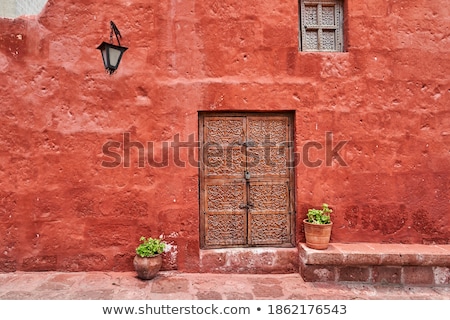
321,25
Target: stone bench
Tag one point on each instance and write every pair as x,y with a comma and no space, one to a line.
377,263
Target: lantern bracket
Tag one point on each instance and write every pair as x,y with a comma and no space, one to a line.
116,31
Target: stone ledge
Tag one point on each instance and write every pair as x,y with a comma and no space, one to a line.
249,260
363,254
377,263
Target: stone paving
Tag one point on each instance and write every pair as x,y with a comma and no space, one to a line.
173,285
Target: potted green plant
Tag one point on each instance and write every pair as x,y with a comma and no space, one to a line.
318,226
148,259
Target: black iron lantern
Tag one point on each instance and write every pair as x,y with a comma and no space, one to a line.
111,53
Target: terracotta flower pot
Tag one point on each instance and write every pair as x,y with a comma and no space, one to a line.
147,268
317,235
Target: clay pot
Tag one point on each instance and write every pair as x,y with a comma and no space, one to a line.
147,268
317,235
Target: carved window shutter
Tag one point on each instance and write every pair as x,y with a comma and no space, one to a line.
321,25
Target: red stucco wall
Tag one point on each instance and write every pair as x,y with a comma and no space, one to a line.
388,96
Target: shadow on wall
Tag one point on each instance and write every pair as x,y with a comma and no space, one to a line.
15,8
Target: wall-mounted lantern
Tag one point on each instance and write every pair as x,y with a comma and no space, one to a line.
111,53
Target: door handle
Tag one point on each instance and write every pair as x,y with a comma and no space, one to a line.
246,206
249,143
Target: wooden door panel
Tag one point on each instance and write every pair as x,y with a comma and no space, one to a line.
224,230
268,152
269,213
225,213
268,161
269,229
269,197
224,130
225,196
224,161
246,183
223,154
263,129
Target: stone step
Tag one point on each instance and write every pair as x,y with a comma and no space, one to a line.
249,260
377,263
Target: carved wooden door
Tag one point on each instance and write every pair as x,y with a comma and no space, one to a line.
246,180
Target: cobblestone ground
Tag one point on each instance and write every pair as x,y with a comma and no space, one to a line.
172,285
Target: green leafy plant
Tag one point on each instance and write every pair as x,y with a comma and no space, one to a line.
320,216
150,247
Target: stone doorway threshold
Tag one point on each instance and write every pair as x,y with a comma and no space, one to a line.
250,260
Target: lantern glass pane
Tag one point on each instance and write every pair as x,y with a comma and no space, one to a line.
105,57
114,56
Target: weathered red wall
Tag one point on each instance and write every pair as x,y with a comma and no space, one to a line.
388,96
